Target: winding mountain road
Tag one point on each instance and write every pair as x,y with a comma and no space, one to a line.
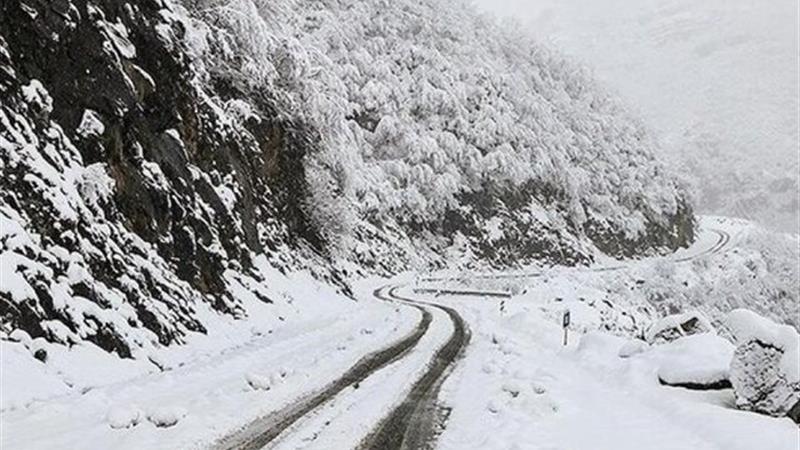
416,420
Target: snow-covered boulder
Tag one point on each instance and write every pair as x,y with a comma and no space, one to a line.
675,326
701,361
765,372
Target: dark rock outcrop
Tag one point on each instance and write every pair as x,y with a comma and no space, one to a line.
132,184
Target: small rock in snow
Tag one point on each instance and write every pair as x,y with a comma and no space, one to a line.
123,417
166,416
259,382
40,354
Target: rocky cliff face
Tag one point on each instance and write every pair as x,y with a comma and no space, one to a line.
128,190
141,173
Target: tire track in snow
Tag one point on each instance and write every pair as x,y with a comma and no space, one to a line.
261,432
417,420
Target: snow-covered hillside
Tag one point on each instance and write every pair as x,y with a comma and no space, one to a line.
717,79
445,129
156,158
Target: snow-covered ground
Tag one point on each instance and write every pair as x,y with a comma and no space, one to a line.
517,386
240,371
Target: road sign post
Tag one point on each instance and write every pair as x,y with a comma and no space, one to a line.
565,325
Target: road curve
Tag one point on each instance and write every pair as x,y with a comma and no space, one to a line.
262,431
417,420
723,238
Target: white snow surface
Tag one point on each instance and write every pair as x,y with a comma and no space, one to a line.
240,370
698,359
519,388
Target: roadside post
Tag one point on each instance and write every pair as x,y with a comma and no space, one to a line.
565,325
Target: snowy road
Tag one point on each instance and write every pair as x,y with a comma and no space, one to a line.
723,238
406,414
415,418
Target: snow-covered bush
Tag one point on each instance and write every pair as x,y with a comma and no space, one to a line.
765,372
758,271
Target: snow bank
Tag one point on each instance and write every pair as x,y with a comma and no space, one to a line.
632,347
765,372
701,361
675,326
600,345
24,378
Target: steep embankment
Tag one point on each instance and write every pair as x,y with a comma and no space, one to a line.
130,193
151,152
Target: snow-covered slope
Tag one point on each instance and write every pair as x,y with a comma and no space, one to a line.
442,129
717,79
132,200
156,159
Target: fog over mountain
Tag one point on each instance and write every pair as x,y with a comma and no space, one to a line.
717,80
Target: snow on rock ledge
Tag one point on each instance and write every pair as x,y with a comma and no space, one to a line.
675,326
765,372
